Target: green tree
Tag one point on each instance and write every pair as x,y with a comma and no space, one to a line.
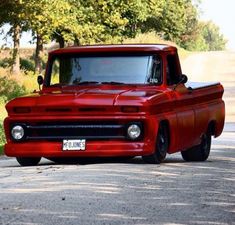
170,20
191,26
212,36
46,18
207,37
196,41
108,21
11,12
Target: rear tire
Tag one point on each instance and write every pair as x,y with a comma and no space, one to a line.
161,148
28,161
200,152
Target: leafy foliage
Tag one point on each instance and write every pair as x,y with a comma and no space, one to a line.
26,64
10,89
1,148
109,21
2,137
206,37
12,12
213,39
6,62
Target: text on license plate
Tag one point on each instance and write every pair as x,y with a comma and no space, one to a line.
79,145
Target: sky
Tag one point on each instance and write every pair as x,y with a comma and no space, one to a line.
222,13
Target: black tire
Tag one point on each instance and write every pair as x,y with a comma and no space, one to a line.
28,161
200,152
162,144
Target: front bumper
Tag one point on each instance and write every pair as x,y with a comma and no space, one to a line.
93,149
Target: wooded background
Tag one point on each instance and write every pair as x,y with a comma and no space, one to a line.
106,21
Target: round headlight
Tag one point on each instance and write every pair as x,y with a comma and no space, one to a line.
133,131
17,132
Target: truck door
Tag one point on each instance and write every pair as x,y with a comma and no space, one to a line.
183,104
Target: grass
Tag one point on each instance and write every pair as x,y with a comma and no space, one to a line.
1,149
2,135
2,138
3,111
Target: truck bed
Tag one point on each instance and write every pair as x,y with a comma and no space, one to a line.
199,85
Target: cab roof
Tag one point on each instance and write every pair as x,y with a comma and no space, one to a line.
127,48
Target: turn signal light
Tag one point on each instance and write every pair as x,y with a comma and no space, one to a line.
130,109
22,110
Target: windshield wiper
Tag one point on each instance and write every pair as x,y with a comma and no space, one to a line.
112,83
86,82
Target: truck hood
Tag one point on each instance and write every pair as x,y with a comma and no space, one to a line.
96,97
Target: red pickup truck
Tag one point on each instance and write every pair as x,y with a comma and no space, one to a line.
114,101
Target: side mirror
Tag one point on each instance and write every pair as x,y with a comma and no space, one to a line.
183,79
40,80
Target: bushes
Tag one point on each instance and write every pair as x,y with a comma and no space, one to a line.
2,135
10,89
2,138
5,63
26,64
1,149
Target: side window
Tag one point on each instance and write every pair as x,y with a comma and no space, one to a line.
61,71
55,71
171,70
156,74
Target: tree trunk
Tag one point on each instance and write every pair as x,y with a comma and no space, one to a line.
38,54
59,38
61,41
76,41
15,69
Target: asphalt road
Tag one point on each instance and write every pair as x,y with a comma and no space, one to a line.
132,192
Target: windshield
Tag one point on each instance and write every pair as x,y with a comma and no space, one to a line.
75,70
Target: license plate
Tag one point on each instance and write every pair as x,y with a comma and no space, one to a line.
76,145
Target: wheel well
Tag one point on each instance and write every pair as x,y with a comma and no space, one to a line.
166,124
212,127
